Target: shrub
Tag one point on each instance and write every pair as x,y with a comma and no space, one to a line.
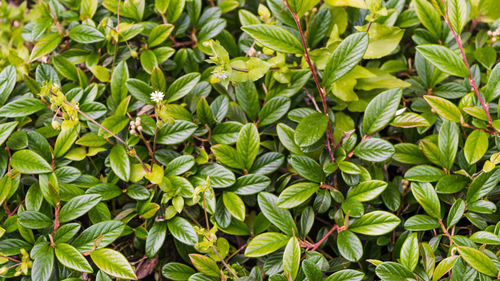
278,139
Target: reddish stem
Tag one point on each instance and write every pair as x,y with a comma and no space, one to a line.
471,77
317,244
315,76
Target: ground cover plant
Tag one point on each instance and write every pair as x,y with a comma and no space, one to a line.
337,140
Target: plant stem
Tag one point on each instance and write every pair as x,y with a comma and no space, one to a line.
317,244
224,263
316,80
445,231
471,77
109,132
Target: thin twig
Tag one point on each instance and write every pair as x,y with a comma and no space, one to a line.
471,77
321,90
130,150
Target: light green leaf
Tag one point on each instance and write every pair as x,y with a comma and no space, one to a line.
296,194
475,146
234,205
444,59
113,263
375,223
345,57
478,260
120,163
71,258
266,243
274,37
381,110
291,258
311,129
29,162
427,197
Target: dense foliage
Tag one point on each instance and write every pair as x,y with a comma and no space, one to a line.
251,140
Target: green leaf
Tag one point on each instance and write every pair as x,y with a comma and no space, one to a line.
311,270
381,110
248,98
421,223
250,184
174,10
444,108
34,220
448,143
427,197
409,252
482,185
22,107
7,82
409,120
106,231
266,243
85,34
345,57
148,60
159,34
296,194
78,206
66,232
375,223
6,129
291,258
349,246
478,260
273,110
475,146
444,59
65,67
429,17
311,129
346,275
113,263
71,258
274,37
181,87
234,205
177,271
220,177
456,212
281,218
43,265
443,267
29,162
424,173
307,168
367,190
484,237
65,140
45,46
374,149
176,132
391,271
88,8
458,14
247,144
119,161
286,137
119,82
183,231
319,27
156,238
139,89
205,265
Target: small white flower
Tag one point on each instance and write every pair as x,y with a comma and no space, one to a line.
157,96
219,73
